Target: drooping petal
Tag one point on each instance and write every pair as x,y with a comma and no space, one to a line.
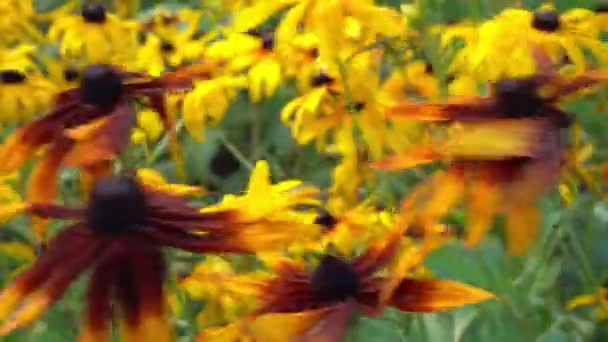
436,295
95,326
103,142
482,202
140,294
48,278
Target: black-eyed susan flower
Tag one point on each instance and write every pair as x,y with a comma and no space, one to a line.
497,50
88,125
342,27
119,235
506,147
320,299
94,36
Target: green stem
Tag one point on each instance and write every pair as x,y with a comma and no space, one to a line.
235,152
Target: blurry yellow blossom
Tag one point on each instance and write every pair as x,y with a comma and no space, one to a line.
95,36
207,103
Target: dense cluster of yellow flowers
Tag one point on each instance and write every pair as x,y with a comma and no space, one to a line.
83,86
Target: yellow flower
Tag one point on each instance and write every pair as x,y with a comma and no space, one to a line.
415,81
94,36
22,96
342,27
169,40
267,212
208,102
17,24
501,47
149,125
224,301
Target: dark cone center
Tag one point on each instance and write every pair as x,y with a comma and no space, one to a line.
117,205
167,47
70,74
12,76
320,79
601,8
100,86
94,13
268,41
326,220
518,98
546,20
334,280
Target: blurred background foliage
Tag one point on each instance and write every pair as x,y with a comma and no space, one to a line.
570,257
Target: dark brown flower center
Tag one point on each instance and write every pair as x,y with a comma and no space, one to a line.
334,280
267,41
70,74
326,220
320,79
601,8
94,13
117,205
546,20
518,98
100,86
167,47
12,76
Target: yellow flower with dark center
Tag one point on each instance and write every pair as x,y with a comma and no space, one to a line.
23,96
502,44
94,36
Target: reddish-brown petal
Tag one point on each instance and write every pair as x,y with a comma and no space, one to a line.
42,187
140,293
48,210
95,326
461,109
436,295
49,277
105,142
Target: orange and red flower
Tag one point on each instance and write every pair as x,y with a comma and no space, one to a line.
119,234
323,298
506,147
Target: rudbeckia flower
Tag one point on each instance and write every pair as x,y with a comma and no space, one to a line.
94,36
321,299
18,25
506,147
119,235
89,125
498,52
342,27
23,95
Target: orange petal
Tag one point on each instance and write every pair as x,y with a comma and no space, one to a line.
521,228
42,187
483,197
100,142
420,111
14,152
409,259
436,295
494,139
89,174
420,155
35,307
